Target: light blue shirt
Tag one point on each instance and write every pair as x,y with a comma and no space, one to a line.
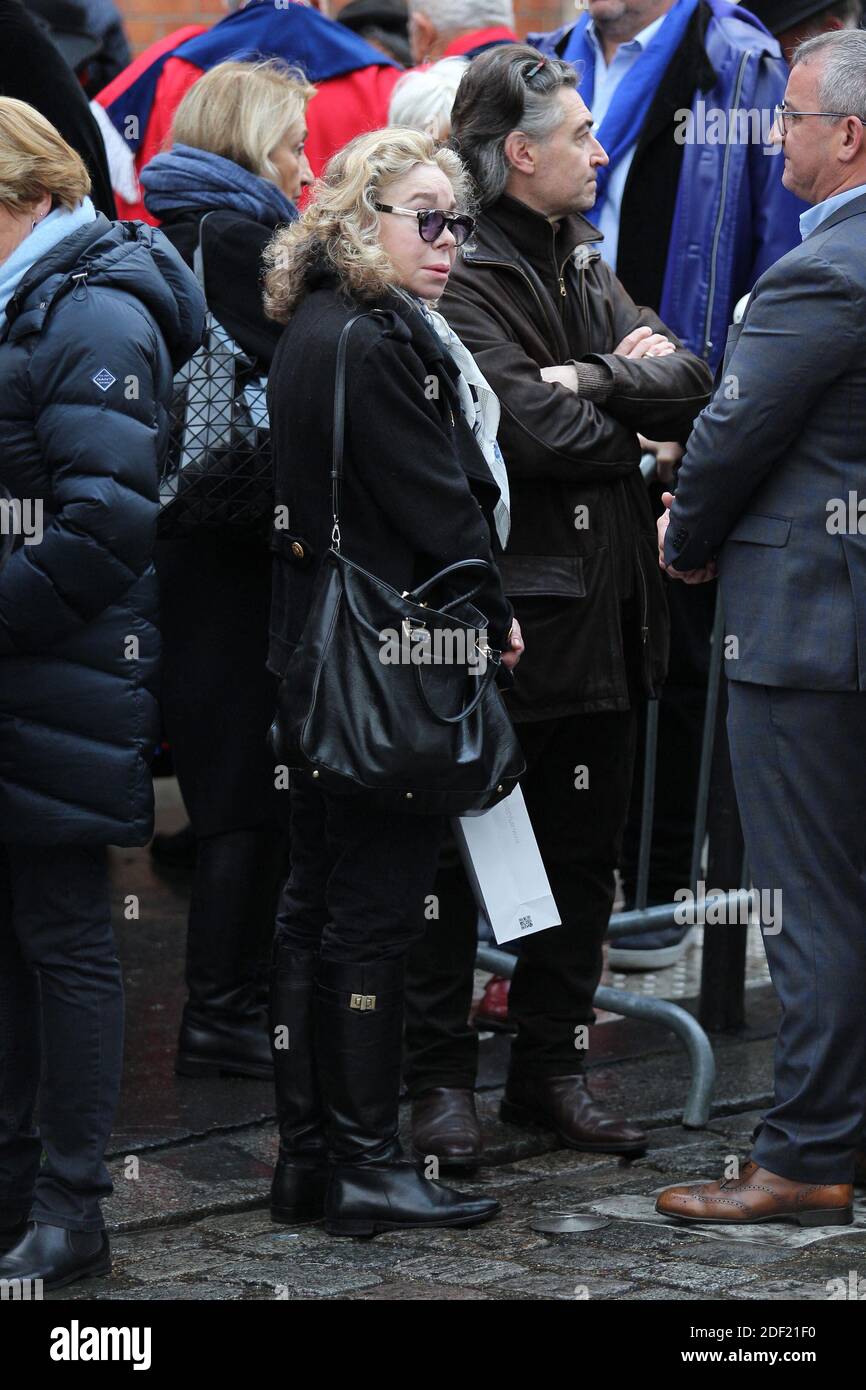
813,217
607,79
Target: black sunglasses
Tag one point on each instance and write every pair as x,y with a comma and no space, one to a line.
432,222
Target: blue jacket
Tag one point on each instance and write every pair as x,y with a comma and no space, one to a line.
733,218
94,334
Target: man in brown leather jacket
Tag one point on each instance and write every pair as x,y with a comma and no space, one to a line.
579,370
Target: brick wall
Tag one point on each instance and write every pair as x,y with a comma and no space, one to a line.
148,20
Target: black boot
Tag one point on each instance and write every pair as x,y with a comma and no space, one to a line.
56,1256
225,1023
301,1174
359,1025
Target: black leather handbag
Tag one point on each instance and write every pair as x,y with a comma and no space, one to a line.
388,695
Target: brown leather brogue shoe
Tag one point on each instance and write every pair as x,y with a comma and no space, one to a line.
566,1105
759,1195
445,1126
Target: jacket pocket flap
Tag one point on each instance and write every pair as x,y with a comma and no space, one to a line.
292,548
762,530
558,576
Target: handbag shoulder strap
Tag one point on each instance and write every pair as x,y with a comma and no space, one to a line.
340,425
198,257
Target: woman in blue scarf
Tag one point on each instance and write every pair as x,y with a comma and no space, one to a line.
238,154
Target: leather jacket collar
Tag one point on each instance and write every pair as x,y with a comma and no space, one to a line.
510,229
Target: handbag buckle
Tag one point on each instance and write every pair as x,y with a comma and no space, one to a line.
412,626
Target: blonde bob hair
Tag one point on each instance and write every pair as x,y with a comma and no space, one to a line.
242,111
341,226
35,160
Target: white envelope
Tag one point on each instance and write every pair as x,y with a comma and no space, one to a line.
505,868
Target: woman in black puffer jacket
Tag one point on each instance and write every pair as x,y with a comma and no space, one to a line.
237,157
95,318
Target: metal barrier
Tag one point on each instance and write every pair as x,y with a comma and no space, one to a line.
729,953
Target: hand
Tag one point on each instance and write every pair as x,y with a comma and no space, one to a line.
700,576
693,576
566,376
642,342
514,652
662,525
667,455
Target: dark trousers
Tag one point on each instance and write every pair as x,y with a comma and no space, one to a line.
799,763
359,876
61,1006
579,833
680,734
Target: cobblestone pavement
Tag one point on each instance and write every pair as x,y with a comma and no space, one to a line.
191,1163
637,1256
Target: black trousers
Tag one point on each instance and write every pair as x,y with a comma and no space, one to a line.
61,1009
800,773
579,832
359,876
680,735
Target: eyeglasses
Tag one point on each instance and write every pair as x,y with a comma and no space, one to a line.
432,222
783,115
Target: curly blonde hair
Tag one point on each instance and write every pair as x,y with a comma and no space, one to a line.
340,226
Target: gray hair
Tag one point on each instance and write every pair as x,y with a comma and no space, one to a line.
842,85
494,99
423,97
457,16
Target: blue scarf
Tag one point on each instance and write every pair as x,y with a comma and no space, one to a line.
624,117
186,177
59,223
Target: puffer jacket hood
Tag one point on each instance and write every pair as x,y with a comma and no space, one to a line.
129,256
94,334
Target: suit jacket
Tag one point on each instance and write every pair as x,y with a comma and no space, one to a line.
772,461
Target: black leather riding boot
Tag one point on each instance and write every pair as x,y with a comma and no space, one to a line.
231,922
358,1028
300,1176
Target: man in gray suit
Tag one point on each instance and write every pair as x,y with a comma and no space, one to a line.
768,491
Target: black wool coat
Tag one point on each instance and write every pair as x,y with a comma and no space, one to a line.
217,695
32,70
417,494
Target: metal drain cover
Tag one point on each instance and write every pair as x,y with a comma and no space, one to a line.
563,1223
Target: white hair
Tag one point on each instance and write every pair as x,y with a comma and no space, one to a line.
458,16
423,97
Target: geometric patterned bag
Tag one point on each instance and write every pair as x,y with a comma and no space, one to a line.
218,472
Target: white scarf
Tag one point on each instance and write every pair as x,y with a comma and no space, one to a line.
481,413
